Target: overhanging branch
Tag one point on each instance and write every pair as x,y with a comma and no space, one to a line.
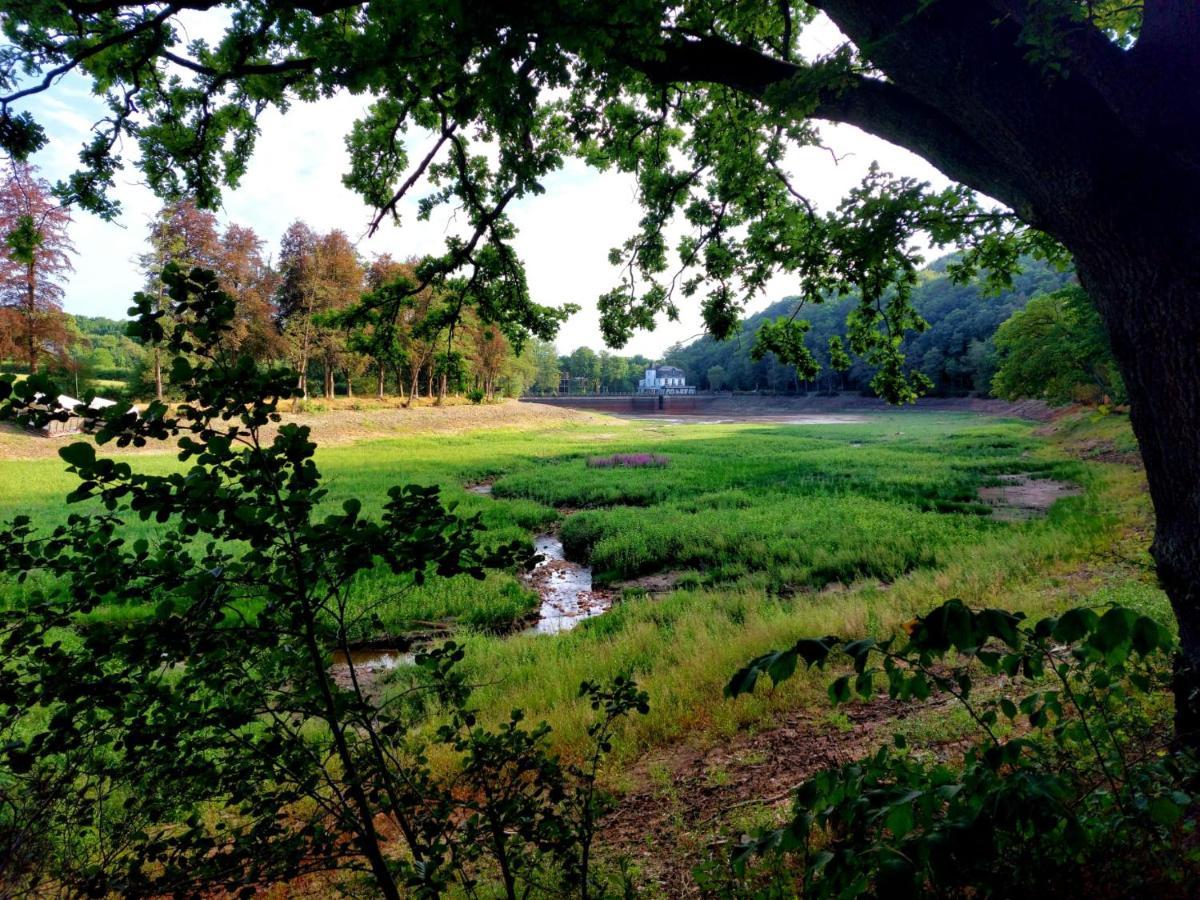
876,106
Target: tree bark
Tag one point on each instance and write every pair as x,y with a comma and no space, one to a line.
302,381
31,316
1157,347
380,392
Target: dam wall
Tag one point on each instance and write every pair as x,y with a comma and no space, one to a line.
631,403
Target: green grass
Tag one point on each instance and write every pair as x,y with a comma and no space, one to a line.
762,519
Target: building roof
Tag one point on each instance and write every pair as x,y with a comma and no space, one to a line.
669,370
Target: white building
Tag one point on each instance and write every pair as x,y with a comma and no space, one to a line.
665,380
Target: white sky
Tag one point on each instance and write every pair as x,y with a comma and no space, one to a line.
564,234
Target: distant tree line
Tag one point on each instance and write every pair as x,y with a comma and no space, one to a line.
348,325
585,371
1039,338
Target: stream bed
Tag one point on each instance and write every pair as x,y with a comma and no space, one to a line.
565,588
568,598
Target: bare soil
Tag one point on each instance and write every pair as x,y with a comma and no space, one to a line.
685,806
757,406
654,583
1022,497
340,423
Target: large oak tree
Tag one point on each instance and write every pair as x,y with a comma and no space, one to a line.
1078,119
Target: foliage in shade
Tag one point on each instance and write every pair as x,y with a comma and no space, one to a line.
1064,783
206,746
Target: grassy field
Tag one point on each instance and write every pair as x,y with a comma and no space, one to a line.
770,532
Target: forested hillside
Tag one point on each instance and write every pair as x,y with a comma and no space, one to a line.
956,351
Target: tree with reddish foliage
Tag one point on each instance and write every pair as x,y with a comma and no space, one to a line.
248,277
340,281
319,276
183,234
35,258
488,352
10,326
296,296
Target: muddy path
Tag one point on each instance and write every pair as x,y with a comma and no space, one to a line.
688,805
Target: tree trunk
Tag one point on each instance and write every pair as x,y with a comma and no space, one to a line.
158,382
31,316
1146,289
328,373
380,392
414,386
349,386
302,381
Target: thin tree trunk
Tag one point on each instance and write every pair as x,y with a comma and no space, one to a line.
31,316
414,386
328,378
302,383
349,385
158,379
380,392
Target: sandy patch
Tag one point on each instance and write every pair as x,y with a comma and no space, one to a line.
1021,496
341,425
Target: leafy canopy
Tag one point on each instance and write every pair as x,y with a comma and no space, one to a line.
476,104
1056,348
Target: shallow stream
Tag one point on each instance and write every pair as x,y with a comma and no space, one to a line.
567,599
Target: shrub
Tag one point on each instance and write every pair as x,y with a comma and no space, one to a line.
206,747
1064,792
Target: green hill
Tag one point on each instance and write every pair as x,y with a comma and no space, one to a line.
956,352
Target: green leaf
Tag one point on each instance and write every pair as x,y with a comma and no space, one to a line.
1164,811
1149,636
1074,624
839,690
900,819
81,454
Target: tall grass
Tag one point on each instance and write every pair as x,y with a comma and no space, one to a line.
786,530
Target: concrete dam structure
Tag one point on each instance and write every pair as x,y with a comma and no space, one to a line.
671,404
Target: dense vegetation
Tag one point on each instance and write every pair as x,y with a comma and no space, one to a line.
1056,348
1067,132
956,352
315,310
752,526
